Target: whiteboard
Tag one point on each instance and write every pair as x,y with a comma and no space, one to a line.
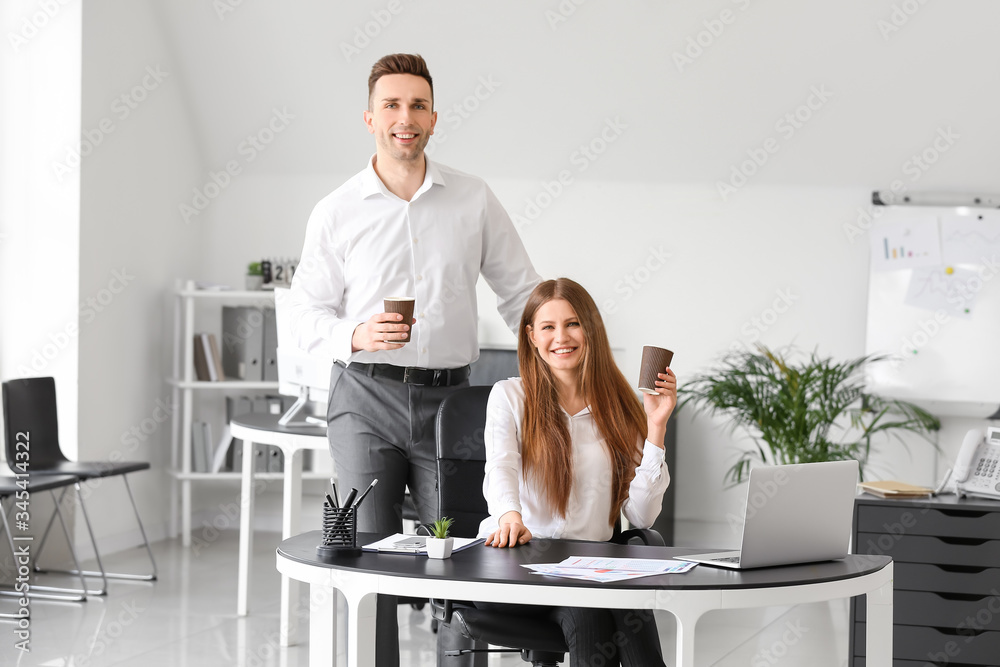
942,357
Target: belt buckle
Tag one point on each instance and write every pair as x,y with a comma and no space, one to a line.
440,378
406,375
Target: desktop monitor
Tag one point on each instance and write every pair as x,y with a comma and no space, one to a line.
300,374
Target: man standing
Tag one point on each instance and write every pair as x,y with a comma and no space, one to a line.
404,226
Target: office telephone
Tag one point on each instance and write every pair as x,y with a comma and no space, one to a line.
977,468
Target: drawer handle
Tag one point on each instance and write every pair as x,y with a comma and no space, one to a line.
961,569
963,541
962,597
963,514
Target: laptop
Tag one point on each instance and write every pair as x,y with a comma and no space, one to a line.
798,513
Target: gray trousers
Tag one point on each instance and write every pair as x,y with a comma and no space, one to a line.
384,429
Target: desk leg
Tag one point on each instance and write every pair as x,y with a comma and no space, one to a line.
290,520
360,628
246,530
322,626
878,645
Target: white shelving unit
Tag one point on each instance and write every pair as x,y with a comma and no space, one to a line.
184,387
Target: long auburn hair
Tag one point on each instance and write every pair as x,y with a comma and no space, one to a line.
546,449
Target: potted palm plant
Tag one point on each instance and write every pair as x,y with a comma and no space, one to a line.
801,412
439,544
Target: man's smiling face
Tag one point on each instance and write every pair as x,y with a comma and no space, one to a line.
400,116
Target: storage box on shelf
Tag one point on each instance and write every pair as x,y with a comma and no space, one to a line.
185,387
946,554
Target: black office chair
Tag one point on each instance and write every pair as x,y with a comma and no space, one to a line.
29,406
461,458
22,490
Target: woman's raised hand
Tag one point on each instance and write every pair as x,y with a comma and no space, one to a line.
660,406
511,533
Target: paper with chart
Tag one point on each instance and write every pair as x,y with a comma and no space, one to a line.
607,570
970,239
906,244
951,289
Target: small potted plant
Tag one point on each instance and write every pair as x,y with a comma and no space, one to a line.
255,276
439,543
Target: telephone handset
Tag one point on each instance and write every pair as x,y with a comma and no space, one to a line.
977,469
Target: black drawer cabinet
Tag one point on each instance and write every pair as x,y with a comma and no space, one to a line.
946,579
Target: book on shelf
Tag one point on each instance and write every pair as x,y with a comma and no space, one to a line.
894,489
207,360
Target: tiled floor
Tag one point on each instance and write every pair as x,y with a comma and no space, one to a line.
188,619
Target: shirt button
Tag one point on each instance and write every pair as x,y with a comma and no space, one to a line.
419,278
416,240
424,350
421,316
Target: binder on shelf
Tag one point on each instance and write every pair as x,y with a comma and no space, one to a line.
201,438
270,339
275,459
242,342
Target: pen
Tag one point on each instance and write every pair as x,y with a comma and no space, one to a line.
329,500
362,496
350,498
336,499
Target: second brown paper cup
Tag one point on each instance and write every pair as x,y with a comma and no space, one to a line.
654,361
404,306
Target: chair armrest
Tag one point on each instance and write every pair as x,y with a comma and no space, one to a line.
441,610
647,536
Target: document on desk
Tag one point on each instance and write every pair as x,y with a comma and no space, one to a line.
414,544
609,569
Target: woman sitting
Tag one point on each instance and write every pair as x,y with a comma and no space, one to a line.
568,449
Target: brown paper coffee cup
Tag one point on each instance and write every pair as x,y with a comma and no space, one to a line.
654,360
404,306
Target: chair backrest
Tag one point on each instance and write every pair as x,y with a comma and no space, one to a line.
461,458
29,406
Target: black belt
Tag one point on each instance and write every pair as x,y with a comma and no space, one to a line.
429,377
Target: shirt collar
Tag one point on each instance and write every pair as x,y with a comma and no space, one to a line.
371,184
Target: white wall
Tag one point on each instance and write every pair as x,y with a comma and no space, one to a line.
519,91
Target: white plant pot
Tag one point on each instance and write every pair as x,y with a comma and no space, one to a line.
254,282
439,548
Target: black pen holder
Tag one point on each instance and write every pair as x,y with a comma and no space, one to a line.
340,532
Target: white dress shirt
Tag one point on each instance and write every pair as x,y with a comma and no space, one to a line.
364,243
590,495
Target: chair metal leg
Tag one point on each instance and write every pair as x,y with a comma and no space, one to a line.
48,592
102,573
93,542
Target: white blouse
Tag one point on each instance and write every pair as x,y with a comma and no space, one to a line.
590,495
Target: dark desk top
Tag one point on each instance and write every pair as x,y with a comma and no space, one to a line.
945,502
265,421
487,564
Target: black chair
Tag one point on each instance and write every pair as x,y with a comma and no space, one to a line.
461,458
29,406
23,490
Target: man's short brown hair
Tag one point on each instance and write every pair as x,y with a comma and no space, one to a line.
399,63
